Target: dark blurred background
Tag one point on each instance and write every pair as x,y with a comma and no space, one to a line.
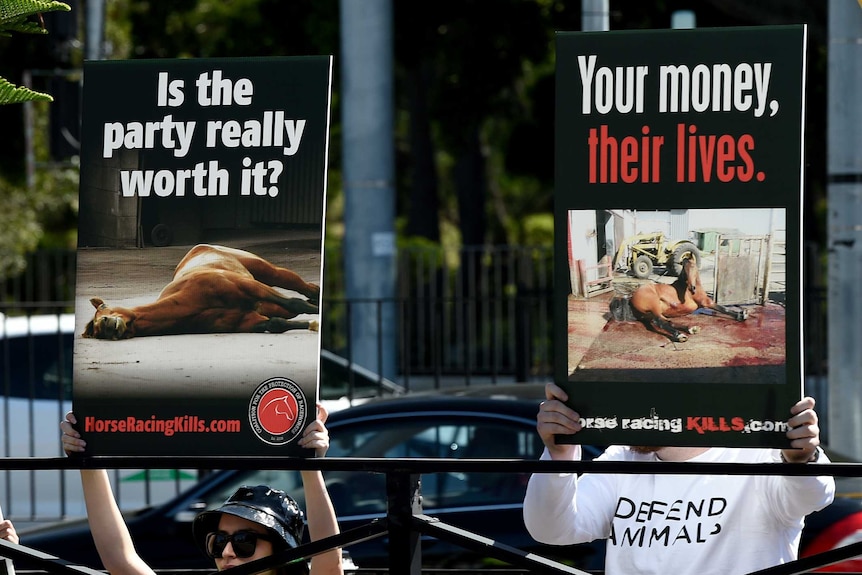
473,136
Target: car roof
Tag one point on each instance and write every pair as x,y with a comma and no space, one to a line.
516,400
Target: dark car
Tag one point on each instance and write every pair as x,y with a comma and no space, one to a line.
475,423
36,375
499,424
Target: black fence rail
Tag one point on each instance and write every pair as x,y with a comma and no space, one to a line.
487,308
404,523
48,278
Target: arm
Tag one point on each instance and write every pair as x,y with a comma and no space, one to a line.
550,505
112,538
318,507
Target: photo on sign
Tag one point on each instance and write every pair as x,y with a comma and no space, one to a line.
180,321
677,296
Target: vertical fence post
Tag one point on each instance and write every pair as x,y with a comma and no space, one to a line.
403,501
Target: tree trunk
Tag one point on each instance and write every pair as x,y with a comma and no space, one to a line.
423,212
470,183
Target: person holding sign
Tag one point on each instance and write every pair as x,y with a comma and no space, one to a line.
657,523
253,523
7,530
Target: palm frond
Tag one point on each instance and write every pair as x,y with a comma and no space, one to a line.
11,94
15,17
14,12
22,25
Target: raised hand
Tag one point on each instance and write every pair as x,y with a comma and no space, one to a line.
804,432
316,436
71,439
556,418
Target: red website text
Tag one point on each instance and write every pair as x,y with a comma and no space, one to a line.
166,427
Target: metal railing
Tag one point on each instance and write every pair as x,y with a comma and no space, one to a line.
404,521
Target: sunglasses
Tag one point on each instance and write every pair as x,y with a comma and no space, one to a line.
242,542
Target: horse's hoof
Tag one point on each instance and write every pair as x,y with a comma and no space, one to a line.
742,315
694,329
681,338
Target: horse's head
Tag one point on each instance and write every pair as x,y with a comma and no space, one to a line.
108,323
690,274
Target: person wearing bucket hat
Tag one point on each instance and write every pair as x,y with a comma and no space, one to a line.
255,522
271,508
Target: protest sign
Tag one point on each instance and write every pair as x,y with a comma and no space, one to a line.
675,146
200,254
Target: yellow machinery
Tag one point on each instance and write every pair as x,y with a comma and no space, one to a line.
643,252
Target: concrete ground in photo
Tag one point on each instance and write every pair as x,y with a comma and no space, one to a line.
199,365
724,351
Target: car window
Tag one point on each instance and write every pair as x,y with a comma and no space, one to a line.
360,493
463,437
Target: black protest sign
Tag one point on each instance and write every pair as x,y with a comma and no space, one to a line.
675,146
200,254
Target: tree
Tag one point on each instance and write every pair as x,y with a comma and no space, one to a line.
24,210
474,89
15,16
466,67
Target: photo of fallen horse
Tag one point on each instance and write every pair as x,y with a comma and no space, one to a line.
214,289
654,304
609,340
209,320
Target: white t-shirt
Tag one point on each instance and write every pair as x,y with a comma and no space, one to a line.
678,524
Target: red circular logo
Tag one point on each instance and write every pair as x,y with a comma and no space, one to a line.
277,411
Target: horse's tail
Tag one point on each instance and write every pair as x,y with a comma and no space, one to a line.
621,309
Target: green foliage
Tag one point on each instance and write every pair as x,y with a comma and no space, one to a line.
28,215
28,212
15,16
538,230
19,220
11,94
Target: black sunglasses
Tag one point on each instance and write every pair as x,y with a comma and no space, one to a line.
242,542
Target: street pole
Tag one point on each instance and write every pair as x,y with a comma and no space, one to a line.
95,29
844,194
595,15
369,176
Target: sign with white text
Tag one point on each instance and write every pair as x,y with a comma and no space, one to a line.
677,248
200,254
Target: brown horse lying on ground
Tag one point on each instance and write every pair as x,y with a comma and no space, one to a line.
214,290
654,304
